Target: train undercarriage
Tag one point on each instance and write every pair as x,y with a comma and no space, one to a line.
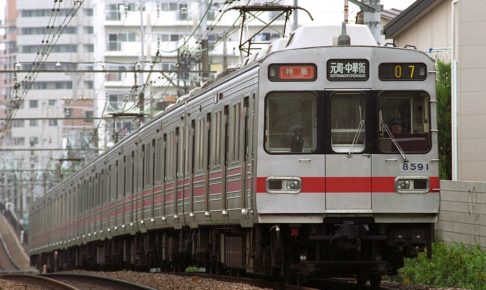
290,252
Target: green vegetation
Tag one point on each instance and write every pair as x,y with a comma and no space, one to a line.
443,91
194,269
452,265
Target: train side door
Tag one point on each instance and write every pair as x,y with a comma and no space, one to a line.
348,164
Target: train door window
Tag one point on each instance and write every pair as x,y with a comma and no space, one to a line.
124,185
348,111
209,144
143,166
140,168
157,161
153,162
291,122
236,132
193,147
169,156
213,139
117,179
404,117
196,145
226,139
131,178
110,186
163,152
178,154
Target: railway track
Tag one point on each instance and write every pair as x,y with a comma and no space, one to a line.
83,281
38,282
107,281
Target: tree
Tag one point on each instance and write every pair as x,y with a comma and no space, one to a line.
443,91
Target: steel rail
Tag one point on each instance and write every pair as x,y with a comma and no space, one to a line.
118,284
37,281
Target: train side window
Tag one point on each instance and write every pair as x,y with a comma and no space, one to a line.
348,113
291,122
405,116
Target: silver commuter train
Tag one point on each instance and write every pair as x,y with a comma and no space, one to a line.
312,159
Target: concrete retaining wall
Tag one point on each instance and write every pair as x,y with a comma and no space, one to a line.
462,215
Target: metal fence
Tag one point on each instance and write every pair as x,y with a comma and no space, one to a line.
462,215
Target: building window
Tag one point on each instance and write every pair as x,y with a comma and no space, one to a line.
43,12
115,102
52,103
33,140
88,30
112,12
115,40
88,12
88,47
172,6
183,14
88,84
88,115
33,103
19,140
18,123
57,48
52,85
33,123
53,122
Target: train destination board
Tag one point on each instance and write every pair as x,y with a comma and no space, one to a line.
348,70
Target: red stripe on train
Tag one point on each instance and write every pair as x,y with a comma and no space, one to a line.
348,184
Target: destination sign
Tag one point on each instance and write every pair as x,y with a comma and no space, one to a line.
348,70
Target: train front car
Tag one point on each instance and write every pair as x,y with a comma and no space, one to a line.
347,155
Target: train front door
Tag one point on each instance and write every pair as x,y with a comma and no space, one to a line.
348,162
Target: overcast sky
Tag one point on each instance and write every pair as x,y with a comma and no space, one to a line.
331,11
323,11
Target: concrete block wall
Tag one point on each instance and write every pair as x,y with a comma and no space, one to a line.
462,215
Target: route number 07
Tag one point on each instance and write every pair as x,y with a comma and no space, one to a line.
399,71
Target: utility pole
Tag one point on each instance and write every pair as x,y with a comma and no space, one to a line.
141,94
371,16
225,54
295,25
203,8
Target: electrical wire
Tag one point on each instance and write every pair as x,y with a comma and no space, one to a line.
44,53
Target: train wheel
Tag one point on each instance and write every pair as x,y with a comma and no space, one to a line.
375,281
361,279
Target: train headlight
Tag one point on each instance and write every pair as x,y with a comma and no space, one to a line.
292,185
403,184
412,184
283,184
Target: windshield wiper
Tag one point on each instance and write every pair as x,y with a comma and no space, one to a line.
356,137
395,142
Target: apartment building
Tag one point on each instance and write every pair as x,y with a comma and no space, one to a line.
36,141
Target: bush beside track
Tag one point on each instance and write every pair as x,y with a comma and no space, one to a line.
452,265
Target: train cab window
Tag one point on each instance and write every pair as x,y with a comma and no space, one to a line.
291,122
348,113
404,120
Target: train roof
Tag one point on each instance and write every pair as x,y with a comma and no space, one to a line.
326,35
